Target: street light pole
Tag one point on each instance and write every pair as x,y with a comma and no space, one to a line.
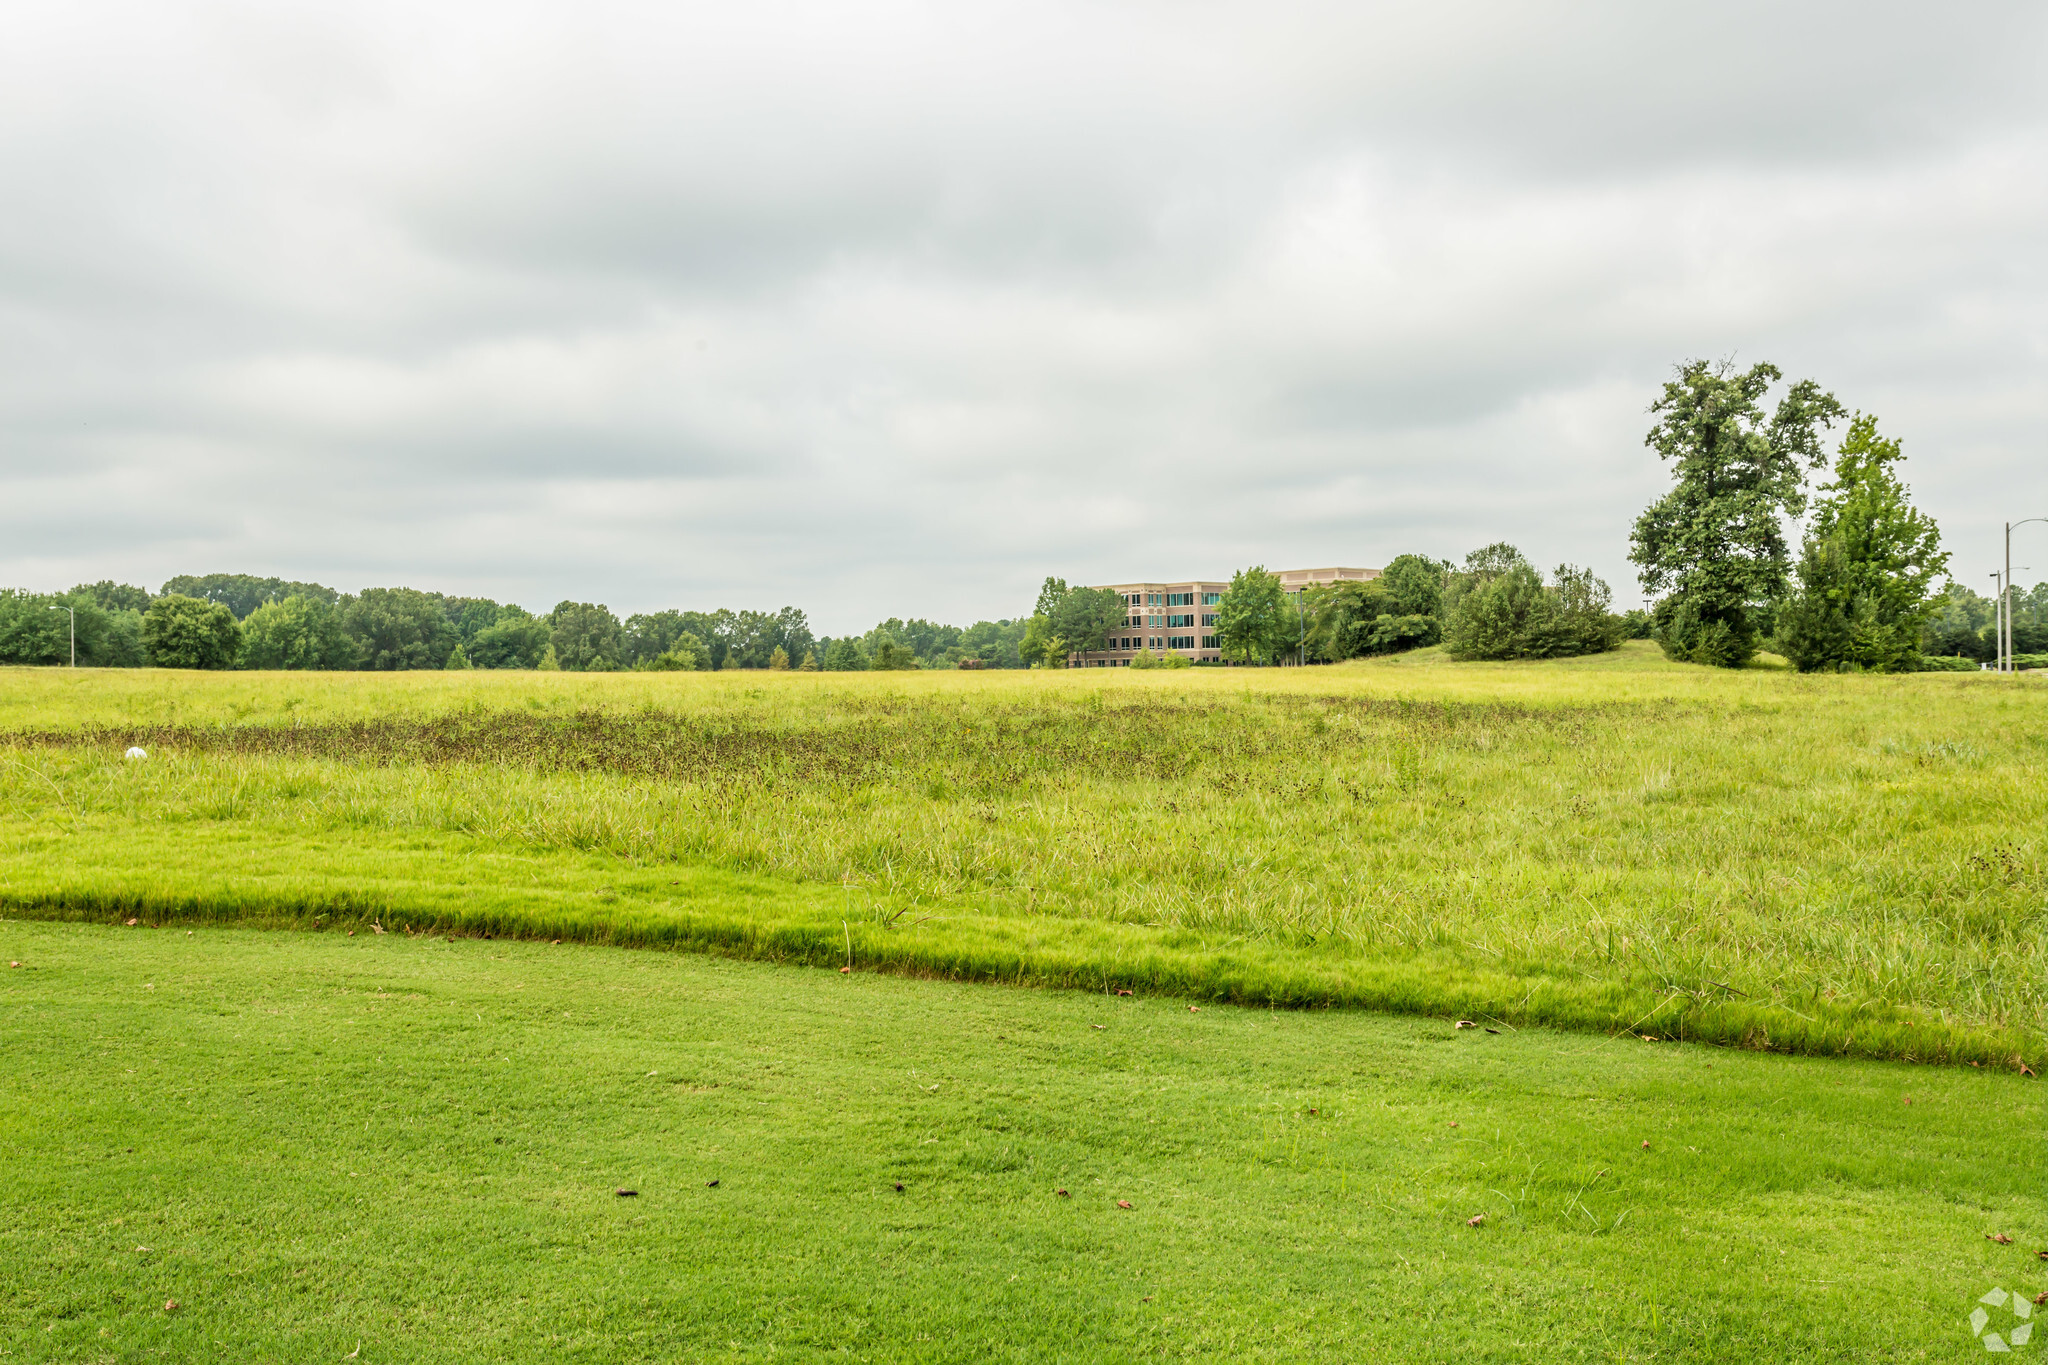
2005,599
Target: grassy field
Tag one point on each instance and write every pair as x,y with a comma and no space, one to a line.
1817,864
384,1148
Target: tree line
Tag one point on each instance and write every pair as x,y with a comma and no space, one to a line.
1714,554
219,621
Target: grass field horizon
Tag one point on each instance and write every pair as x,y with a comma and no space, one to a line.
1828,864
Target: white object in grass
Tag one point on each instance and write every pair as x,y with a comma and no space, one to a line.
137,752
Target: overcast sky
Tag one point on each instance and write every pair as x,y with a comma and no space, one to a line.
893,309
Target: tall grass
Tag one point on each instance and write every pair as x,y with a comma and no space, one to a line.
1828,863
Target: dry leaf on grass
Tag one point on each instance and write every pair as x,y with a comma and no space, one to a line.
1123,1203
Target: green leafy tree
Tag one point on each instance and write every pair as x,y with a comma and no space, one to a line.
685,654
110,596
394,629
1414,585
890,654
242,593
298,632
518,640
458,660
585,637
843,656
188,632
31,632
1041,647
1714,548
810,663
1256,622
995,643
1865,590
778,662
1084,617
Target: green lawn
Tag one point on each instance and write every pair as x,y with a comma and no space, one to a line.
407,1148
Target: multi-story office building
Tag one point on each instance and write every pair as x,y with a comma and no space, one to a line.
1180,618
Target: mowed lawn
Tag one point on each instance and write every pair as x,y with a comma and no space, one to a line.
382,1148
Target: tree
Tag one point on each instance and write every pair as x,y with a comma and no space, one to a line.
1494,605
110,596
1084,617
1714,547
31,632
458,660
810,663
1040,647
186,632
398,629
1255,621
585,637
242,593
890,655
1414,585
516,641
843,656
779,660
1866,573
299,632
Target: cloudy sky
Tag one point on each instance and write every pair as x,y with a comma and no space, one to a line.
895,308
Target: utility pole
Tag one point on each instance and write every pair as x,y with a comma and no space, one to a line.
56,606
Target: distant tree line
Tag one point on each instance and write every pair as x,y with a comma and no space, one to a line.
220,621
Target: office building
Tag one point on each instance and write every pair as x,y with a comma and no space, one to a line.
1180,617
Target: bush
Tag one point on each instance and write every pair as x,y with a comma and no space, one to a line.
1148,660
685,654
1941,663
1499,608
185,632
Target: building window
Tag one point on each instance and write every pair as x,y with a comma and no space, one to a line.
1208,618
1210,599
1174,622
1209,642
1180,599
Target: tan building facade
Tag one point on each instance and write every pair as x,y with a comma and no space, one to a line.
1180,617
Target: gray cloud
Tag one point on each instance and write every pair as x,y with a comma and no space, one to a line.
895,308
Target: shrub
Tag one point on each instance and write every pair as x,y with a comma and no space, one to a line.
1941,663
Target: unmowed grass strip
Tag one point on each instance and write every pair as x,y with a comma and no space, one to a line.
386,1149
1833,864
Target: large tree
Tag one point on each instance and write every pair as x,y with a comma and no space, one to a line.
1713,549
398,629
242,593
298,632
586,637
188,632
1866,574
1257,621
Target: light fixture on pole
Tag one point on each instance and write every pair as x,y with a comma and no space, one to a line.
2005,599
59,606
